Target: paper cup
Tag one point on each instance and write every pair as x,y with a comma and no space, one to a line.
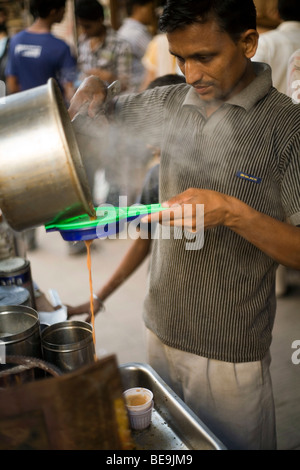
139,404
141,419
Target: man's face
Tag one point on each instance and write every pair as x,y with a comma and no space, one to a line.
90,28
210,60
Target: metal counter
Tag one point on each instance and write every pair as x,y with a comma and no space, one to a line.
174,426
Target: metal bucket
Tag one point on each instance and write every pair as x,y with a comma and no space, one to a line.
68,345
19,332
42,175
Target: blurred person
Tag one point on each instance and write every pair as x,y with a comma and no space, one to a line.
157,60
230,143
100,51
276,46
135,30
35,54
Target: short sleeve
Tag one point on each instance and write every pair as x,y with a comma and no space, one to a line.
290,188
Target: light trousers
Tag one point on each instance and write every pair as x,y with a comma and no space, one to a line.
234,400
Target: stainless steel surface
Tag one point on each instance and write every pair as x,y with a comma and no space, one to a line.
68,345
174,426
19,331
42,175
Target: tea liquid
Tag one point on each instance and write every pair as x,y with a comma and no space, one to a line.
89,265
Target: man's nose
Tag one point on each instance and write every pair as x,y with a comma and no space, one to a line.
192,72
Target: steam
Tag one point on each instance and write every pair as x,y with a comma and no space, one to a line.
124,157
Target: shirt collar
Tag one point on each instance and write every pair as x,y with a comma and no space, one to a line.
248,97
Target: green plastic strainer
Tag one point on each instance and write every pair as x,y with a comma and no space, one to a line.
110,220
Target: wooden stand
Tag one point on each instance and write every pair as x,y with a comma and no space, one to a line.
82,410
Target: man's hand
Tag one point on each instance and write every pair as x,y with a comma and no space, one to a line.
186,210
89,97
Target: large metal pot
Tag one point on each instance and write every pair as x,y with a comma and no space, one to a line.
42,176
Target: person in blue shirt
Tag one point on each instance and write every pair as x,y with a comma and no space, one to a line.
35,54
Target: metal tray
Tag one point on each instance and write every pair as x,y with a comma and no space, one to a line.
174,426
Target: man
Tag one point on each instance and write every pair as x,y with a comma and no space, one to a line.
135,30
35,55
231,142
100,52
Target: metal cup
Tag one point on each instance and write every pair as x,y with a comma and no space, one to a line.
68,345
19,331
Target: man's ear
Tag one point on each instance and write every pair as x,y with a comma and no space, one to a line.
249,41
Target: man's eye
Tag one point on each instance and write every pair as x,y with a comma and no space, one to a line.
204,58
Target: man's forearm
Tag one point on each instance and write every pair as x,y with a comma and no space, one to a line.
279,240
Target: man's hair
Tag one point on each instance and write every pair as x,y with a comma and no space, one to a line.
90,10
289,10
233,16
42,8
130,4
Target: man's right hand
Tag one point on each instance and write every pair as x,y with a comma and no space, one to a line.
89,97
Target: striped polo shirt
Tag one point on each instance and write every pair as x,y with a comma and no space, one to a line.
219,301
